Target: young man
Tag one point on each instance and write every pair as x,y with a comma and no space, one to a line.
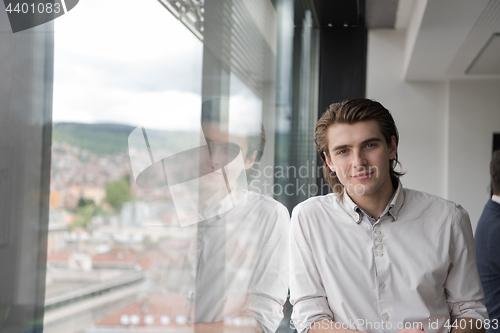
488,248
374,256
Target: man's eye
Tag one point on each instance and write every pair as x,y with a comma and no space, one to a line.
370,145
341,152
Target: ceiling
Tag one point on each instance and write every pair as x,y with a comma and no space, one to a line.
488,60
340,13
446,39
372,14
454,39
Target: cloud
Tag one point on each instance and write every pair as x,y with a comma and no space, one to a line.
124,31
168,110
245,109
125,61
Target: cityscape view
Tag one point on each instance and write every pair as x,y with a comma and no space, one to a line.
111,244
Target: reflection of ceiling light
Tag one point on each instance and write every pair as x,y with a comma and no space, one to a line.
488,59
180,320
124,320
149,320
135,319
165,320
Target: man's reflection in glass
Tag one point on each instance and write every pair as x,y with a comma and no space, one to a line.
241,254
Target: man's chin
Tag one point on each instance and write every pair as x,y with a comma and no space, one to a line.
359,190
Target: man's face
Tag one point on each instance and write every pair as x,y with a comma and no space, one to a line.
360,157
223,153
213,133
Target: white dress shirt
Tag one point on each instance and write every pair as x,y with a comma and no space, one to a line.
416,264
495,198
240,263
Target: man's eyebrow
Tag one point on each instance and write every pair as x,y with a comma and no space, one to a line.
374,139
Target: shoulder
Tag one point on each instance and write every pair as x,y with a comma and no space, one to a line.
308,215
426,201
488,225
491,211
440,209
266,204
443,217
316,203
318,211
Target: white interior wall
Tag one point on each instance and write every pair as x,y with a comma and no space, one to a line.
446,128
474,117
419,109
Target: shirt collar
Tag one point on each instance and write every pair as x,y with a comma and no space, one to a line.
495,198
392,207
220,208
217,209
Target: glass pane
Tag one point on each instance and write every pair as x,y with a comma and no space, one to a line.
116,252
162,214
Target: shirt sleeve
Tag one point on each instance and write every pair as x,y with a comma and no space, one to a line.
307,294
464,293
269,288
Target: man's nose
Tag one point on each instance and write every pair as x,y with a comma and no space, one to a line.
359,158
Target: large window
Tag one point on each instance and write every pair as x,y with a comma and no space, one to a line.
140,95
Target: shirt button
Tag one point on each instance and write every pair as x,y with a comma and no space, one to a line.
383,285
380,254
379,240
378,232
387,317
380,247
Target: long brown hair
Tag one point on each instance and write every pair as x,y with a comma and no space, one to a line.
350,112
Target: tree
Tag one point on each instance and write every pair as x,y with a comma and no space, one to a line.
118,192
83,216
82,202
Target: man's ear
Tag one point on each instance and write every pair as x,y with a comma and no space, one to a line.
250,160
393,148
329,162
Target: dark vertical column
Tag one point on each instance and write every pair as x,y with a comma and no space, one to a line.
496,141
342,65
284,81
496,146
342,70
26,60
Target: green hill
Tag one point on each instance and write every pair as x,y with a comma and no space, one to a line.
98,138
105,138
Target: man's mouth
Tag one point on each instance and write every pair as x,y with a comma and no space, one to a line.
362,175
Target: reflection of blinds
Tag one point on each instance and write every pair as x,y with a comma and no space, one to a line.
189,12
241,34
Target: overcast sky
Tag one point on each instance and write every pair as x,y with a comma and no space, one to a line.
126,61
132,62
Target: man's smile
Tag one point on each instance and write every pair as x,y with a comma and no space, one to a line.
363,175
